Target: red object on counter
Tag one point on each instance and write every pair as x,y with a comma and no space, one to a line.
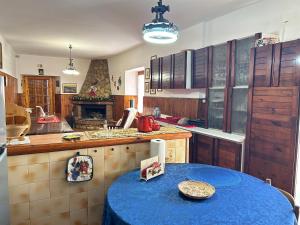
145,124
155,126
53,119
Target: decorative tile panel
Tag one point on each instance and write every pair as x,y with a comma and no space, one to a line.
40,195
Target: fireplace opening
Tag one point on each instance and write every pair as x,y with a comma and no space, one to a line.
95,112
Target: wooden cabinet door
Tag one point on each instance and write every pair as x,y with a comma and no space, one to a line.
261,65
39,91
286,65
200,68
179,70
166,72
204,151
228,154
155,74
272,135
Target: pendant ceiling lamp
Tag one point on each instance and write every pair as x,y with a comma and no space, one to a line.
70,70
160,30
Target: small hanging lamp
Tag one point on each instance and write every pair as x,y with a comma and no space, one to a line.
71,70
160,30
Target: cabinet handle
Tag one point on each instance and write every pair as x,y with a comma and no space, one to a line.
112,149
127,147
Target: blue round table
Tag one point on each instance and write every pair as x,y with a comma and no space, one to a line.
240,199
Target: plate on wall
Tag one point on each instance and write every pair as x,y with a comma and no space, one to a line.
196,189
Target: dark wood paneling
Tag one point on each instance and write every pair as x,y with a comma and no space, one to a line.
183,107
11,89
228,154
64,105
166,72
200,68
179,70
155,82
263,66
272,135
122,102
20,99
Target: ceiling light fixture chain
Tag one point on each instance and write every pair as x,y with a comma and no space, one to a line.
71,70
160,10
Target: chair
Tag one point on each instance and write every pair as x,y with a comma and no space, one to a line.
289,197
18,121
291,200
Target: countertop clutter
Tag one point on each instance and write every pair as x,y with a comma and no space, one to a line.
91,139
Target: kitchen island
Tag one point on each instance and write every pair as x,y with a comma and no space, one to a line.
39,192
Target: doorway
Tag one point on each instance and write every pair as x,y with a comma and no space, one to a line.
39,91
135,87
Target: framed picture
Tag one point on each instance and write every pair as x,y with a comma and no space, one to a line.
69,88
41,71
147,73
1,60
57,83
147,87
152,91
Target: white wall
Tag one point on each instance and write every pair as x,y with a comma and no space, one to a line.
28,64
131,82
266,16
8,56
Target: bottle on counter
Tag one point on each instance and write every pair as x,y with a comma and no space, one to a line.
156,112
105,126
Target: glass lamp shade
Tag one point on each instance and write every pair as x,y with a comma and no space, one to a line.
71,71
160,33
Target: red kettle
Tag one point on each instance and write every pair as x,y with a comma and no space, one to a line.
145,124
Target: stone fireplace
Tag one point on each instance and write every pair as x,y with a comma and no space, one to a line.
91,115
94,103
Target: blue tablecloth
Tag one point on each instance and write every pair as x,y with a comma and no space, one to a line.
240,199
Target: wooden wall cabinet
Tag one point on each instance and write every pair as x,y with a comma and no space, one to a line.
276,65
237,90
217,83
262,68
167,72
155,71
179,70
204,150
200,68
228,154
228,76
214,151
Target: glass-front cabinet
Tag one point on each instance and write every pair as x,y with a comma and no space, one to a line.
228,85
239,83
217,87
